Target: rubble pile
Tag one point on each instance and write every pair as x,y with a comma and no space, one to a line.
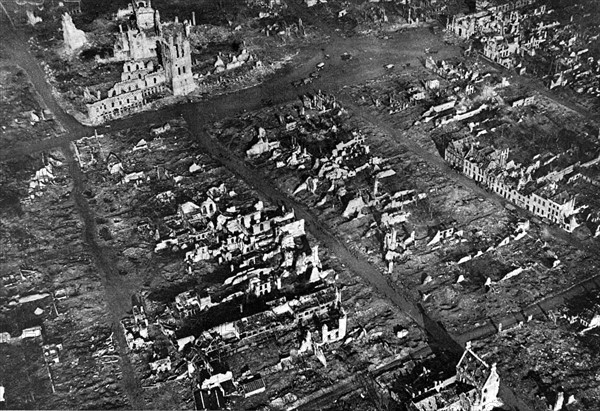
23,117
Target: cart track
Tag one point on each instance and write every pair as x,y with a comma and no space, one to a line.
117,290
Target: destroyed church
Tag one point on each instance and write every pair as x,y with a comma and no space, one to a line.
142,47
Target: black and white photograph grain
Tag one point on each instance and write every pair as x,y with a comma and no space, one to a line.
311,205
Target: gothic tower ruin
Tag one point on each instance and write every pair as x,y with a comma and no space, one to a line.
177,61
144,14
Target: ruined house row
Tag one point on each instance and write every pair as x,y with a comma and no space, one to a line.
490,168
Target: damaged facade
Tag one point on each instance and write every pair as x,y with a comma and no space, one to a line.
547,184
506,30
527,187
473,386
143,79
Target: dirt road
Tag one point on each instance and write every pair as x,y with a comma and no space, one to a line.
117,289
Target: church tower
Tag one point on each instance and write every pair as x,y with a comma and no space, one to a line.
177,61
144,14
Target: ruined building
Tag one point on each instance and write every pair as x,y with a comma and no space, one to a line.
145,15
142,77
133,44
474,387
177,60
139,42
139,45
139,80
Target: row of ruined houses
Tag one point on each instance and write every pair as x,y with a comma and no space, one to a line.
512,29
259,245
491,168
573,65
323,305
493,20
319,313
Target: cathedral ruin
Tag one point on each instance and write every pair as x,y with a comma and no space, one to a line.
155,65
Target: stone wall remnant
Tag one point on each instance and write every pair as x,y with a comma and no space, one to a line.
73,37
